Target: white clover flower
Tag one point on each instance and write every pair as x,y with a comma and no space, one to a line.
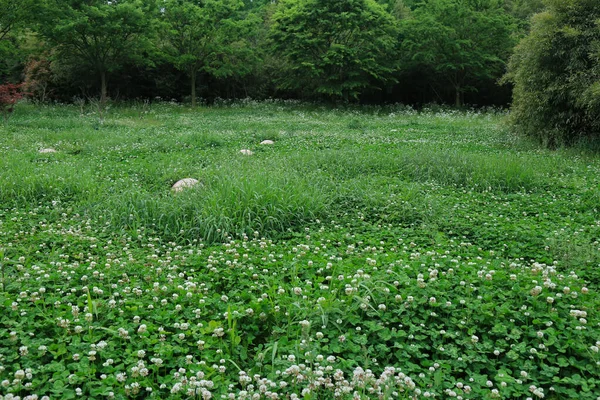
219,332
536,290
304,323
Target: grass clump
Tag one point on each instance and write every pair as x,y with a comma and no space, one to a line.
239,200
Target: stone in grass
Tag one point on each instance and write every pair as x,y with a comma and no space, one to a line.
47,150
246,152
267,142
184,184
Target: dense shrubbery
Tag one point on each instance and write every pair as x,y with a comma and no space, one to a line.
556,72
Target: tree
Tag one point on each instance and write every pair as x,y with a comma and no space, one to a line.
14,15
459,40
336,48
556,74
207,36
97,34
523,10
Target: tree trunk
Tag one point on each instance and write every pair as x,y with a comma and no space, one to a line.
193,76
102,87
458,97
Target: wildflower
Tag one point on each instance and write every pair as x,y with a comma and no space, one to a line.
536,290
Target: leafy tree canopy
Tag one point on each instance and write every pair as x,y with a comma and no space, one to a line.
208,36
337,48
459,40
99,34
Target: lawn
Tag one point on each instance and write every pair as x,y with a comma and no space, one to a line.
369,253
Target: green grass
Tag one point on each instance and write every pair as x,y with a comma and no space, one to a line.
433,242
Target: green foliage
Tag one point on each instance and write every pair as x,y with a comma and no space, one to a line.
556,74
337,48
97,34
210,37
14,17
460,41
14,14
523,10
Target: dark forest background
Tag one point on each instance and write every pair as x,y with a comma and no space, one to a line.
367,51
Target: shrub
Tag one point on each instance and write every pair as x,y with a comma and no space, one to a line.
10,94
556,74
38,79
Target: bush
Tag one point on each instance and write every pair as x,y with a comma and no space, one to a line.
556,73
10,94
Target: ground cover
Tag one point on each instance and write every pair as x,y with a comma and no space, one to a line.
367,253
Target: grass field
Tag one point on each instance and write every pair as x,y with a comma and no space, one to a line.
368,253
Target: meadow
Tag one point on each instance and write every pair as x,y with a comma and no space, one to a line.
369,253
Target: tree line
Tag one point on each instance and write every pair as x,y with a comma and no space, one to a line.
411,51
